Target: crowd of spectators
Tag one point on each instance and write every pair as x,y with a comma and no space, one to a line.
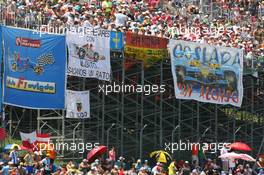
236,23
45,164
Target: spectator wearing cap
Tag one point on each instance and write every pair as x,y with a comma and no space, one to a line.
120,162
146,166
92,171
138,165
157,170
13,156
142,171
115,170
84,166
47,165
186,170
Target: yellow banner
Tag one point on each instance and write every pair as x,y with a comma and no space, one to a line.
146,55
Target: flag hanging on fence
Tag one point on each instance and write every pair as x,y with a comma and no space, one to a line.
116,41
43,138
89,54
1,71
78,104
149,49
207,73
34,75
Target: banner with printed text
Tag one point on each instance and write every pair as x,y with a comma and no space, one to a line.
78,104
207,73
34,75
148,49
89,53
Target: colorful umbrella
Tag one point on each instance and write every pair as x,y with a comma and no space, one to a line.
11,146
237,156
96,152
247,158
230,156
240,146
161,156
2,134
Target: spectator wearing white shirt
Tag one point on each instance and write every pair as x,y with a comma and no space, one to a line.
120,18
224,161
14,156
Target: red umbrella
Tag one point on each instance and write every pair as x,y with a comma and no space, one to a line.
240,146
2,134
96,152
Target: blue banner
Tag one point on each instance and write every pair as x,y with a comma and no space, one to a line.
116,41
1,46
34,75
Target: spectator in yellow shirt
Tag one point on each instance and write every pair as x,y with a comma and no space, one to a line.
107,7
172,168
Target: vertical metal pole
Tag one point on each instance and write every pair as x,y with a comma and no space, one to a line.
211,5
201,5
10,120
38,119
63,123
103,117
259,151
179,131
161,105
63,128
30,120
216,125
137,124
198,120
107,139
234,129
142,107
172,136
107,135
141,140
122,106
252,111
83,120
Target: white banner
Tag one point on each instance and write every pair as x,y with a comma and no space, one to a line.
78,104
89,53
207,73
